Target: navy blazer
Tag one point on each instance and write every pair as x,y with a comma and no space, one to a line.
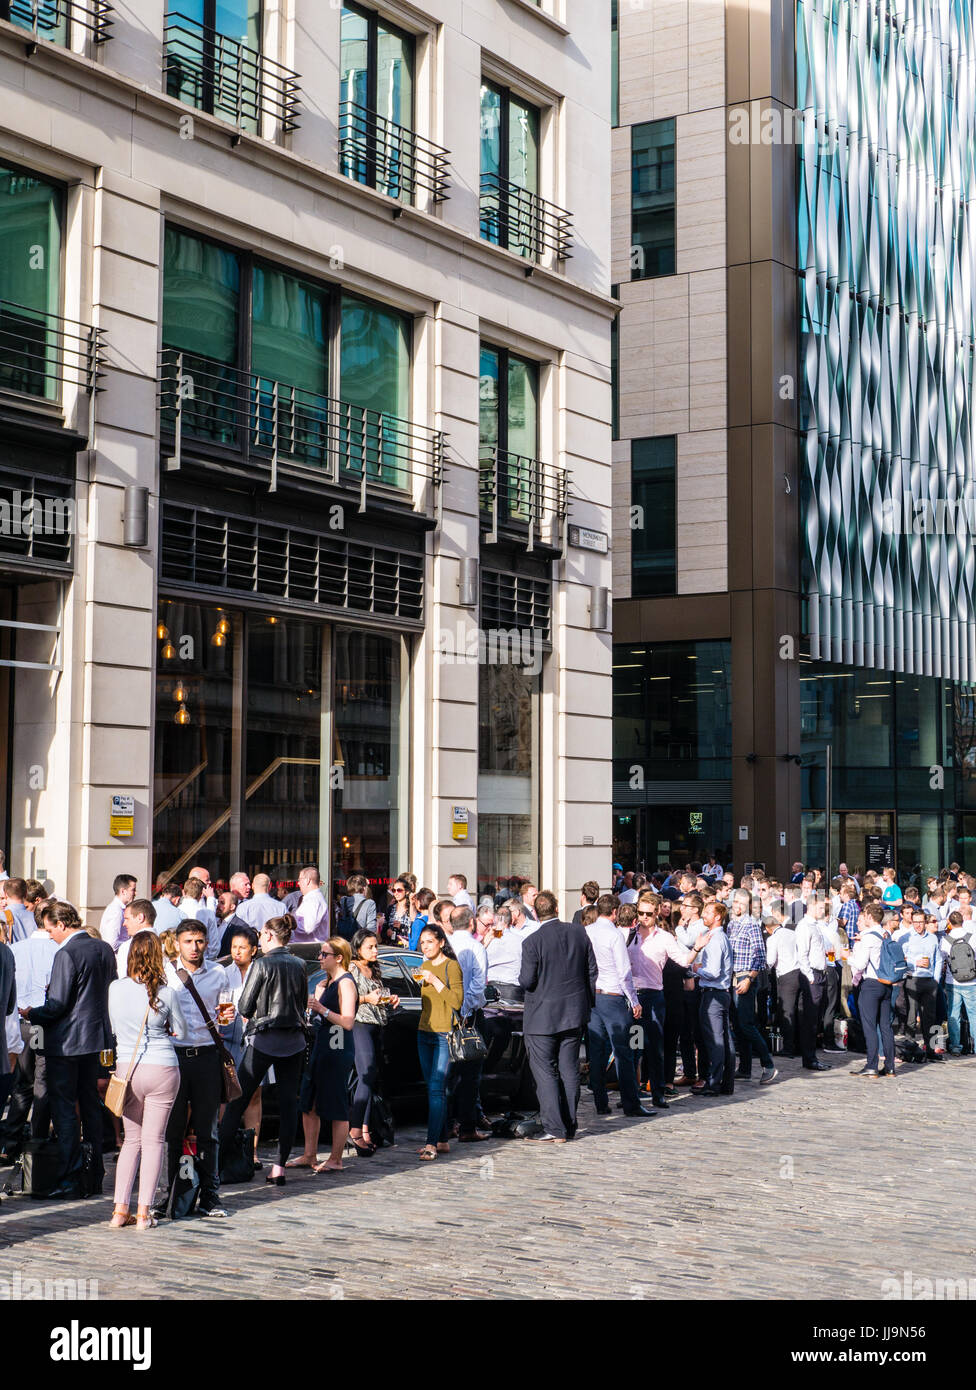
8,998
74,1016
559,978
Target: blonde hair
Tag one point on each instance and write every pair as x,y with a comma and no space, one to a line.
342,949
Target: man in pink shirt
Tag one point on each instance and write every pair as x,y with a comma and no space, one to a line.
648,952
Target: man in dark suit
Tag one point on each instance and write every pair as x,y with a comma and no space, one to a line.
74,1027
558,975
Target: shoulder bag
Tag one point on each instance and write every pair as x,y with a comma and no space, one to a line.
464,1042
230,1087
118,1087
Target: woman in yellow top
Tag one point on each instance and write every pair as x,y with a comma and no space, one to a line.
442,991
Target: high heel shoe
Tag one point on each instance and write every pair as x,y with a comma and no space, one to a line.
278,1181
364,1150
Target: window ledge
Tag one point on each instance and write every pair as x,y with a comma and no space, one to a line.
546,18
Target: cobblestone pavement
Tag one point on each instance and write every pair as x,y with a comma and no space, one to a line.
796,1190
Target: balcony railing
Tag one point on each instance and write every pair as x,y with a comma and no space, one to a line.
51,19
270,423
40,353
389,157
517,492
227,78
523,222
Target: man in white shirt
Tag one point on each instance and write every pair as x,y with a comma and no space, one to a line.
262,907
241,885
111,928
473,961
616,1009
812,959
34,961
457,888
139,916
169,914
193,906
312,913
209,896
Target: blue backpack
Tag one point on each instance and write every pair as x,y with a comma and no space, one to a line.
892,966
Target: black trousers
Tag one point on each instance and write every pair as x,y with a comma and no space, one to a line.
922,994
467,1093
799,1006
682,1028
29,1095
653,1012
554,1059
366,1041
254,1067
73,1081
831,1010
197,1103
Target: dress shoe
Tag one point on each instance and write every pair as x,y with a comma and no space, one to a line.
660,1103
743,1076
603,1110
817,1066
708,1091
685,1081
70,1191
544,1139
639,1113
864,1071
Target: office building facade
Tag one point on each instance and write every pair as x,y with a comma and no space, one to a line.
793,463
319,403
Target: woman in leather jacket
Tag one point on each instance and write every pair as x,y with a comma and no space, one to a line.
273,1001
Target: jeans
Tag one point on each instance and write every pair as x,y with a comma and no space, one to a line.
435,1062
747,1035
874,1008
610,1030
958,997
652,1022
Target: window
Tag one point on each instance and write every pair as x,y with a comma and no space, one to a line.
508,773
614,62
672,710
213,61
615,369
53,17
653,519
510,206
31,343
266,379
652,200
509,428
376,110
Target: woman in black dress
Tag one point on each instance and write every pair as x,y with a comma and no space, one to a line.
326,1086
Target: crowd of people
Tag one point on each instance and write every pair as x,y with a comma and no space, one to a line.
179,1008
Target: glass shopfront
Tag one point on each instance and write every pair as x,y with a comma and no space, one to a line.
245,703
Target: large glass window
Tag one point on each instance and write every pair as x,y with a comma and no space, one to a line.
672,710
509,170
652,200
213,60
366,807
230,369
653,558
52,17
376,111
508,766
508,415
30,283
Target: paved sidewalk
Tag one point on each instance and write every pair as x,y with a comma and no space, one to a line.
799,1189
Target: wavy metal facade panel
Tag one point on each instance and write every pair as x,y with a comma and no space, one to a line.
887,268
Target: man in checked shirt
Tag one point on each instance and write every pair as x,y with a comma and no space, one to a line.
748,958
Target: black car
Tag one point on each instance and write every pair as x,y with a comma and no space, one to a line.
507,1080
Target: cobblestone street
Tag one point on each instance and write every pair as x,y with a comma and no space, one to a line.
753,1196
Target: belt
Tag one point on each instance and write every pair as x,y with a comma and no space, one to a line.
195,1051
611,993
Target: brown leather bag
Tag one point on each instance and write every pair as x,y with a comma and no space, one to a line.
117,1092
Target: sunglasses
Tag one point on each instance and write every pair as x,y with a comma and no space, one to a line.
647,914
326,955
399,892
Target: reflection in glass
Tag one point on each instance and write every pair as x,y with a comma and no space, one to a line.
30,283
672,705
201,303
374,375
508,763
652,199
290,344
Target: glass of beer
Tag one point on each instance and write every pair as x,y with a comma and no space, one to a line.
831,956
385,997
225,1007
107,1057
418,973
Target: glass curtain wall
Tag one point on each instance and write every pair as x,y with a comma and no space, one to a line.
508,773
30,283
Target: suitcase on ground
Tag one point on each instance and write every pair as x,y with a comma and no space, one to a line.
40,1167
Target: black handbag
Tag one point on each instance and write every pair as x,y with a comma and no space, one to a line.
237,1157
40,1167
464,1042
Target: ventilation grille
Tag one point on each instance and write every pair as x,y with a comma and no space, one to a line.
516,601
242,555
37,519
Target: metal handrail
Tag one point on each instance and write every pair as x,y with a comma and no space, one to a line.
390,157
513,488
226,77
521,221
41,351
42,17
274,422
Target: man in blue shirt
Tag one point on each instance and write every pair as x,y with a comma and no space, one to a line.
923,953
714,974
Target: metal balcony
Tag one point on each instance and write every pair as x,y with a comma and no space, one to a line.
389,157
521,495
40,353
51,19
226,78
523,222
271,423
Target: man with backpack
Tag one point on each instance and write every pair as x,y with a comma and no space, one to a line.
959,949
356,909
879,963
